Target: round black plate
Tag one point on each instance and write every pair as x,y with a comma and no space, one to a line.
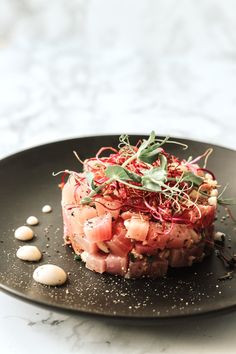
27,184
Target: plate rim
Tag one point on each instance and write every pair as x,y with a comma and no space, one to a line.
46,144
159,318
117,317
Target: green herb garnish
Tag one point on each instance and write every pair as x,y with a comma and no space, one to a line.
152,179
77,257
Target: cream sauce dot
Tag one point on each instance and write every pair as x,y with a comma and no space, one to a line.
50,274
24,233
32,220
46,209
29,253
219,236
214,193
212,201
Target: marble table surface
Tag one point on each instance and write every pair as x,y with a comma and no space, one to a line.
92,67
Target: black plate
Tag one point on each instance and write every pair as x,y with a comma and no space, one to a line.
27,184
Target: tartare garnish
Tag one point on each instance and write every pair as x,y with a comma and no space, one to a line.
148,179
141,204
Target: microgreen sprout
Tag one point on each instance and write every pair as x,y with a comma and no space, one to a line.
145,178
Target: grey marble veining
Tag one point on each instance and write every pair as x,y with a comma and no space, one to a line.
43,331
81,67
104,67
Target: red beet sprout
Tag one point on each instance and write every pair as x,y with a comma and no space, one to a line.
173,205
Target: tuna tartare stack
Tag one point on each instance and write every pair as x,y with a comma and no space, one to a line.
139,209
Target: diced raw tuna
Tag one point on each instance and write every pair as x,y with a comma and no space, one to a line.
158,268
179,235
67,226
208,239
137,228
75,218
145,249
126,215
95,262
157,238
103,247
119,245
185,257
196,252
183,245
116,231
85,213
108,205
81,191
116,265
152,267
182,236
68,191
118,228
207,216
178,258
80,243
76,225
86,227
74,189
138,268
99,228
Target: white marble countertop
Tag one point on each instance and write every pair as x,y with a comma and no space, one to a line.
92,67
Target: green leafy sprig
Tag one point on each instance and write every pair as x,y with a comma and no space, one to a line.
149,149
153,179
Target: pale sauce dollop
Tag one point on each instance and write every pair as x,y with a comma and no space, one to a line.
46,209
29,253
32,220
24,233
50,274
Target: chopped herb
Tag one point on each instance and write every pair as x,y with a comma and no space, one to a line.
119,173
77,257
150,258
192,178
86,200
132,257
90,180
